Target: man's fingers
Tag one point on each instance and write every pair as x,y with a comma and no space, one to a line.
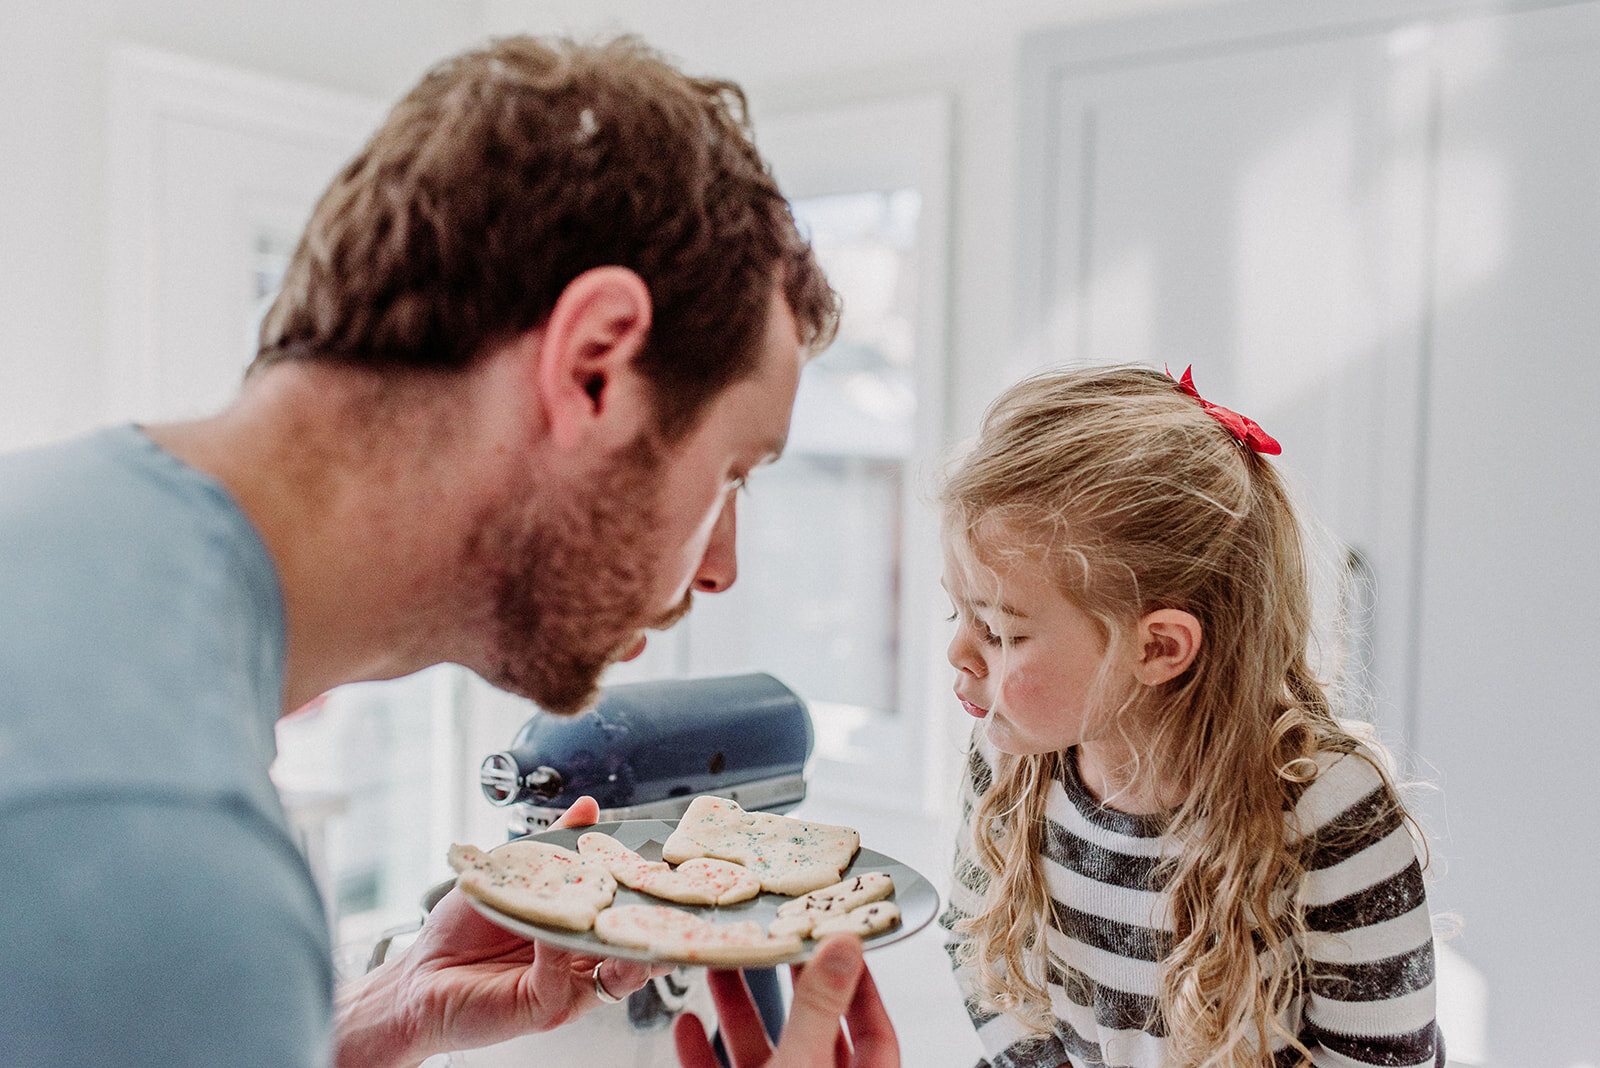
555,969
622,977
694,1049
822,993
584,811
743,1033
871,1032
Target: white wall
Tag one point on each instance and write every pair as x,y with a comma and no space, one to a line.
53,73
792,55
789,55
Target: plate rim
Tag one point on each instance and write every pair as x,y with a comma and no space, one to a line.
587,943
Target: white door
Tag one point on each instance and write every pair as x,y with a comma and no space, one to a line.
1260,217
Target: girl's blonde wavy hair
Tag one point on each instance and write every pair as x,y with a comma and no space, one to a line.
1137,499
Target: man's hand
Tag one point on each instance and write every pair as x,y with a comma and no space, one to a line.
836,983
467,983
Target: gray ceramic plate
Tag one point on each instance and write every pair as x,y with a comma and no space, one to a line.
916,897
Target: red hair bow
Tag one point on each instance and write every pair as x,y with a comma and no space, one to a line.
1244,429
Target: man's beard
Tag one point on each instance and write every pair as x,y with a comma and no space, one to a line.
572,583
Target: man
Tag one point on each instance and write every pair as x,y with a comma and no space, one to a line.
536,335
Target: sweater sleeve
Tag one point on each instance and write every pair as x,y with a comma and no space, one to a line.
1370,940
1006,1042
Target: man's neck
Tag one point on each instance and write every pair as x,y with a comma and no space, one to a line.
356,501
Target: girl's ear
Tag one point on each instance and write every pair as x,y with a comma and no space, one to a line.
1168,640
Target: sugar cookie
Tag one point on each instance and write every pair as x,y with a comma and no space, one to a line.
789,856
699,881
535,881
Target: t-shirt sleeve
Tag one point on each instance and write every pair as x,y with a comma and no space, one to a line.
173,931
1006,1042
1370,939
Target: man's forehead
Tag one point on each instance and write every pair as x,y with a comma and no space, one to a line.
750,417
768,404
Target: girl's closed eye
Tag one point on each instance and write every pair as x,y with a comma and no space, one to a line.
986,635
980,628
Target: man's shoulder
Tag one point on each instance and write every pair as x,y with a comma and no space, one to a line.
108,471
162,928
80,454
161,842
141,628
110,522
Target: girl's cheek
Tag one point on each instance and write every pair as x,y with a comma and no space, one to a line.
1023,690
1014,688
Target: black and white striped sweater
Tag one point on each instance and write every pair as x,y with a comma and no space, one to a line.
1370,948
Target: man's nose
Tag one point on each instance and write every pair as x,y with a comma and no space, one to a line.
719,567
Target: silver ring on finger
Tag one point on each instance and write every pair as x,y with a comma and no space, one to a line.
600,990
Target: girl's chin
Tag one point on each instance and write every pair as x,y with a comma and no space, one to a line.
1004,740
994,728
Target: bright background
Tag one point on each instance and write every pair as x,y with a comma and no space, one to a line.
1373,226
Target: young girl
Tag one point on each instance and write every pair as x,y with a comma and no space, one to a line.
1173,855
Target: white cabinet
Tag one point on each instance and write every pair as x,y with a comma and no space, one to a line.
1377,231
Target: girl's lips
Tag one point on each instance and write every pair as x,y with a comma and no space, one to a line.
972,709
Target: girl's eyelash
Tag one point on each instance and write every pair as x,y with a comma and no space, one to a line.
987,636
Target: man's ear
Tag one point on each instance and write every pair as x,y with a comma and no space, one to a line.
1168,640
599,324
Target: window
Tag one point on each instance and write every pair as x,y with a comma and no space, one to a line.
368,775
838,551
818,601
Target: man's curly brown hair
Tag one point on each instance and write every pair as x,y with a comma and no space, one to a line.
510,170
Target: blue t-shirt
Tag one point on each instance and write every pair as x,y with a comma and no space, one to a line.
154,907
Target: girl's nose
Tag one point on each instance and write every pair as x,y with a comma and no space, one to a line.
964,656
